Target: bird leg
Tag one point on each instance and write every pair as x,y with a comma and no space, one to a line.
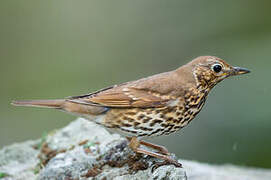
161,149
135,146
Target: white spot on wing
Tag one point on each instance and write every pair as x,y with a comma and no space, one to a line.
127,94
125,89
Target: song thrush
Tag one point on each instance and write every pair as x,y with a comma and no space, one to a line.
152,106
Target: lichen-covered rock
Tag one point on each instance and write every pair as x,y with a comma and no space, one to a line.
84,150
18,161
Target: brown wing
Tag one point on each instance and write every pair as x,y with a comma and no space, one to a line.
154,91
122,97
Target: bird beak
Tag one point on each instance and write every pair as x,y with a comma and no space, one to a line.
239,71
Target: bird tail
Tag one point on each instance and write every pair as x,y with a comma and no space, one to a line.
57,103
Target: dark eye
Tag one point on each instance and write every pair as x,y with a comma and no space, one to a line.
217,68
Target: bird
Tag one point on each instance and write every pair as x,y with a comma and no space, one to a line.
157,105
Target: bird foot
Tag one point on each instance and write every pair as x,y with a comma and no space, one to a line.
135,146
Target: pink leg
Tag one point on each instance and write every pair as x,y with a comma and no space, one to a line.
134,145
161,149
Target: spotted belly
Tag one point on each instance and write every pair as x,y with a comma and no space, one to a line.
150,121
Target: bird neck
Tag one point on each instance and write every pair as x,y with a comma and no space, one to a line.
192,77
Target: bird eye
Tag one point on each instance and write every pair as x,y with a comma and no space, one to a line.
217,68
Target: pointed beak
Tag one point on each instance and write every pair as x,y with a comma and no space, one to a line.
239,71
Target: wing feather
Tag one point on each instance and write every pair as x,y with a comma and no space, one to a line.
126,97
142,93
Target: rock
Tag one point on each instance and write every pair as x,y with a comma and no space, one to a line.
18,161
84,150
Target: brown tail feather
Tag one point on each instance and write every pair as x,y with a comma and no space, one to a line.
57,103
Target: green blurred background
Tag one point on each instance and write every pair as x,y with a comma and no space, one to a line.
54,49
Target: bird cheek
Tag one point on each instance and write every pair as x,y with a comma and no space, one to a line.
223,76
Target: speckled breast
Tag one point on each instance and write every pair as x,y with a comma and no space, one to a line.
156,121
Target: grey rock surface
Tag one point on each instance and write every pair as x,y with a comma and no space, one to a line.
17,161
84,150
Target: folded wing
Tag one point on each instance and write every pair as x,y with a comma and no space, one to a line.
123,97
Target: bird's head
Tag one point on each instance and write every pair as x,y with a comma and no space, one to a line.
210,70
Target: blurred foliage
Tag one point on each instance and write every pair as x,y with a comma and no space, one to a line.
54,49
2,175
